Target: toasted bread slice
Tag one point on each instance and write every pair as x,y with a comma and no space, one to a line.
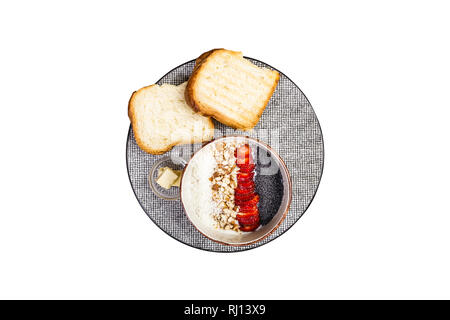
230,88
161,119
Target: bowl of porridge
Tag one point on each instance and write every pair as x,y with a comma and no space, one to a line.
236,190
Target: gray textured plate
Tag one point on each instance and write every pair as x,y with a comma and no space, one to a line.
288,124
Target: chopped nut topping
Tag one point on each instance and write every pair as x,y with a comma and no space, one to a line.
224,181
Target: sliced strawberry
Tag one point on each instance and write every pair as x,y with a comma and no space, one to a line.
248,228
241,191
252,212
247,168
241,200
244,161
244,176
253,201
243,184
244,201
246,184
250,219
250,208
240,194
244,196
242,151
245,205
243,155
245,189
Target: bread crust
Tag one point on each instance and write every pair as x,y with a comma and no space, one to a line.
189,94
196,105
140,142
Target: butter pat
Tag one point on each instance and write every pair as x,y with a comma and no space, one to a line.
177,182
166,178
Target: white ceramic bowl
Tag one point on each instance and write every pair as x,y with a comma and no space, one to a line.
242,238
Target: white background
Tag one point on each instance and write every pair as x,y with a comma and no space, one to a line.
377,75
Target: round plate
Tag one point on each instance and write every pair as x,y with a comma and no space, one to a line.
288,125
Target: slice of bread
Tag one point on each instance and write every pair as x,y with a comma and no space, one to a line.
230,88
161,119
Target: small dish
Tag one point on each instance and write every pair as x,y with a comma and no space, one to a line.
172,162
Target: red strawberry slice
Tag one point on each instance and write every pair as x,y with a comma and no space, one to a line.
241,200
245,184
254,212
244,161
242,192
243,188
245,201
250,208
244,176
253,201
248,159
243,155
242,151
249,186
249,219
247,168
242,197
248,228
245,196
251,211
